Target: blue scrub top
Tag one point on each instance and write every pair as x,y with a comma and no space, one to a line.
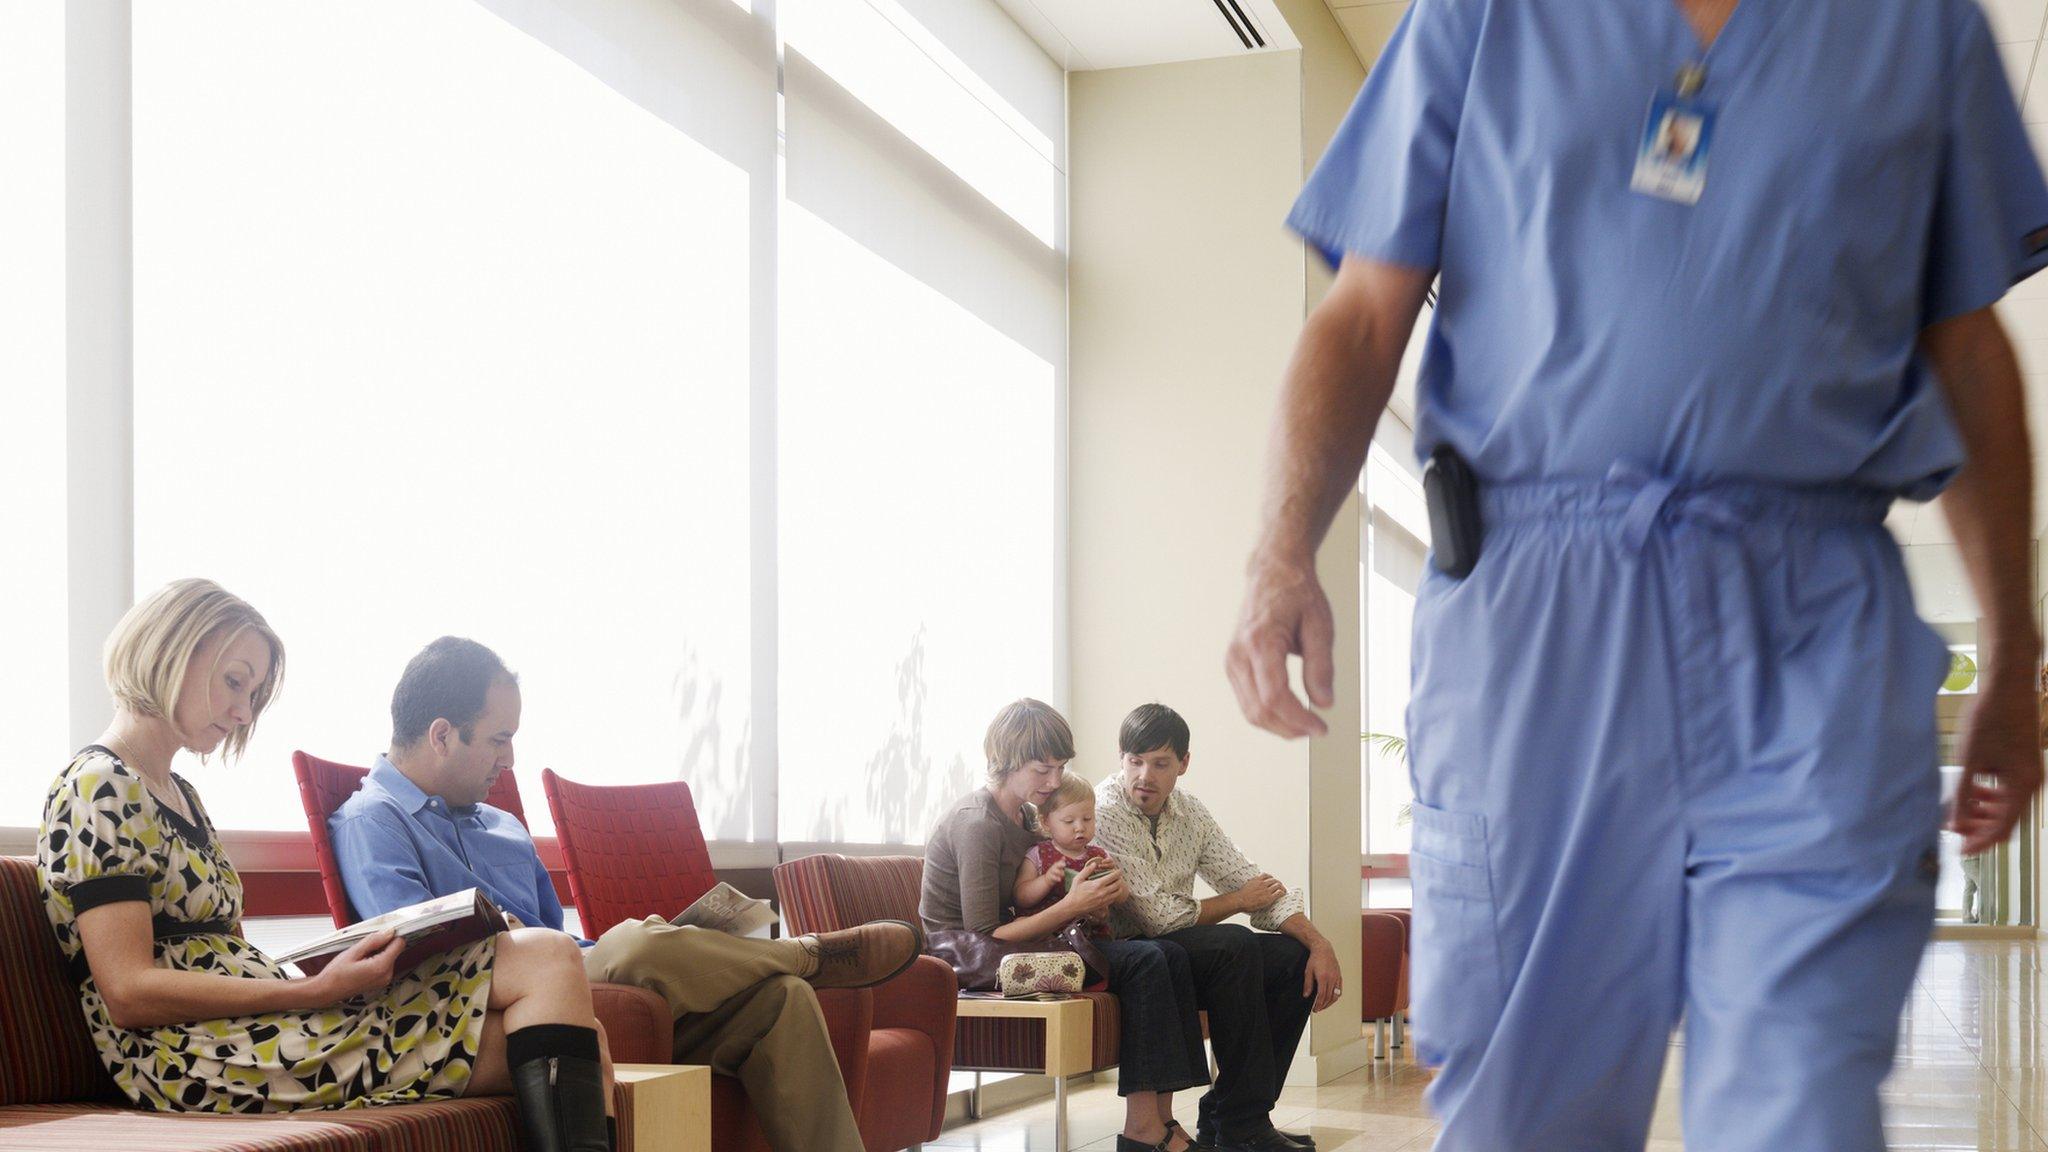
1868,175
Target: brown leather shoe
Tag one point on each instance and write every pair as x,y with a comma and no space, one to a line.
863,956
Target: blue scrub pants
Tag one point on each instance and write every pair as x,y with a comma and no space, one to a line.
1674,757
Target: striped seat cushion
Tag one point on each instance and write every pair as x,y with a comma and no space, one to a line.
825,893
75,1127
46,1053
484,1125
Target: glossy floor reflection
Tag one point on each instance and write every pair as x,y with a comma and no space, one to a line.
1972,1073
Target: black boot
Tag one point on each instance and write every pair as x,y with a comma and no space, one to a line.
559,1084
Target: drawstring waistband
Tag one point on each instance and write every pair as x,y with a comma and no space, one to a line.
1640,500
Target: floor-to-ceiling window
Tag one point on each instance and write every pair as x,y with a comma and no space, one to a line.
509,320
33,457
1396,533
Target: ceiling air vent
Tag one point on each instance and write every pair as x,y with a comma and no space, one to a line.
1241,24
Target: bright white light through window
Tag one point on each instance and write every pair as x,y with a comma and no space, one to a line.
889,62
435,333
917,542
33,678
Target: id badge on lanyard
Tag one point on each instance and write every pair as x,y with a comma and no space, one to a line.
1671,157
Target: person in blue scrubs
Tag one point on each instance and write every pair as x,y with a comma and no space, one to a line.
1714,287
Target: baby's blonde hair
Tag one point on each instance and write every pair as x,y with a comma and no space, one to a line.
151,649
1072,790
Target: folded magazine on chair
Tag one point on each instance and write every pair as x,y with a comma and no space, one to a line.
727,909
428,929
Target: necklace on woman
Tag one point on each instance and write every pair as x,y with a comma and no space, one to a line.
175,804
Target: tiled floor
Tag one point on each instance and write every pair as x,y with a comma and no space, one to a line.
1972,1073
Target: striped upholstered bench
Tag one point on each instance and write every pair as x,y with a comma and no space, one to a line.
828,892
55,1095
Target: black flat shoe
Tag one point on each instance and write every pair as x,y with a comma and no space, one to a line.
1194,1142
1126,1144
1271,1140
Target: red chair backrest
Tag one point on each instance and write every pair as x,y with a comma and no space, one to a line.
632,849
828,892
46,1051
324,786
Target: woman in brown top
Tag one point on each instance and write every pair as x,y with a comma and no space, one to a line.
970,868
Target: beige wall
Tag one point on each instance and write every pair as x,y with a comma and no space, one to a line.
1186,294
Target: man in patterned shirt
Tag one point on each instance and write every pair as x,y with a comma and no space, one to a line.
1258,986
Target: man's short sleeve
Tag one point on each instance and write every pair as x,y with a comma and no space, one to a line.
1381,187
1991,210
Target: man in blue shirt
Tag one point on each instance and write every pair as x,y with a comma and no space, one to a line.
418,828
1715,286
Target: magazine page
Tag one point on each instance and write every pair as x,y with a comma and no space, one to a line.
470,909
726,909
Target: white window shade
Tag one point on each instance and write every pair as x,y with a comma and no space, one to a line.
33,460
922,376
445,325
967,108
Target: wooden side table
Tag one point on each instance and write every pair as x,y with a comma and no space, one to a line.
667,1107
1069,1043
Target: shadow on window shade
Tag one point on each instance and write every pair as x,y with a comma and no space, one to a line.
445,325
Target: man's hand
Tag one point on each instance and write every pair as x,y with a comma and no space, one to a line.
1259,893
2001,764
1990,508
1285,614
513,923
1336,386
1324,978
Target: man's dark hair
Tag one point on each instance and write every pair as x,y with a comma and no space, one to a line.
446,681
1151,726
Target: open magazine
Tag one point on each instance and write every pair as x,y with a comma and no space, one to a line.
727,909
433,927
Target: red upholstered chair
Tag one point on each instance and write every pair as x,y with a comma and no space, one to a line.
637,849
1383,940
827,892
633,850
637,1025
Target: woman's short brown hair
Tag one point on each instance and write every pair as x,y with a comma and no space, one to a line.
151,649
1024,731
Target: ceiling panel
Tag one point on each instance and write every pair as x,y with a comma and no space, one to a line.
1368,25
1041,28
2015,20
1130,33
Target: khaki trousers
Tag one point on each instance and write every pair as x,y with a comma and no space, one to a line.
741,1009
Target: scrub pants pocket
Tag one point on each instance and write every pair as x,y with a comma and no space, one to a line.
1459,991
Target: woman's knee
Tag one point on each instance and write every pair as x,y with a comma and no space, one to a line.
537,958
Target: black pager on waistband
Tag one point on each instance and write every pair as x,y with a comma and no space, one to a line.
1453,495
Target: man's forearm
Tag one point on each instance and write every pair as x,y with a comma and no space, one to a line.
1302,930
1990,504
1217,909
1335,389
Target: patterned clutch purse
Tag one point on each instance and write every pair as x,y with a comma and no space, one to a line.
1033,973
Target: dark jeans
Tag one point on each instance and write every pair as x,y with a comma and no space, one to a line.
1250,984
1161,1028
